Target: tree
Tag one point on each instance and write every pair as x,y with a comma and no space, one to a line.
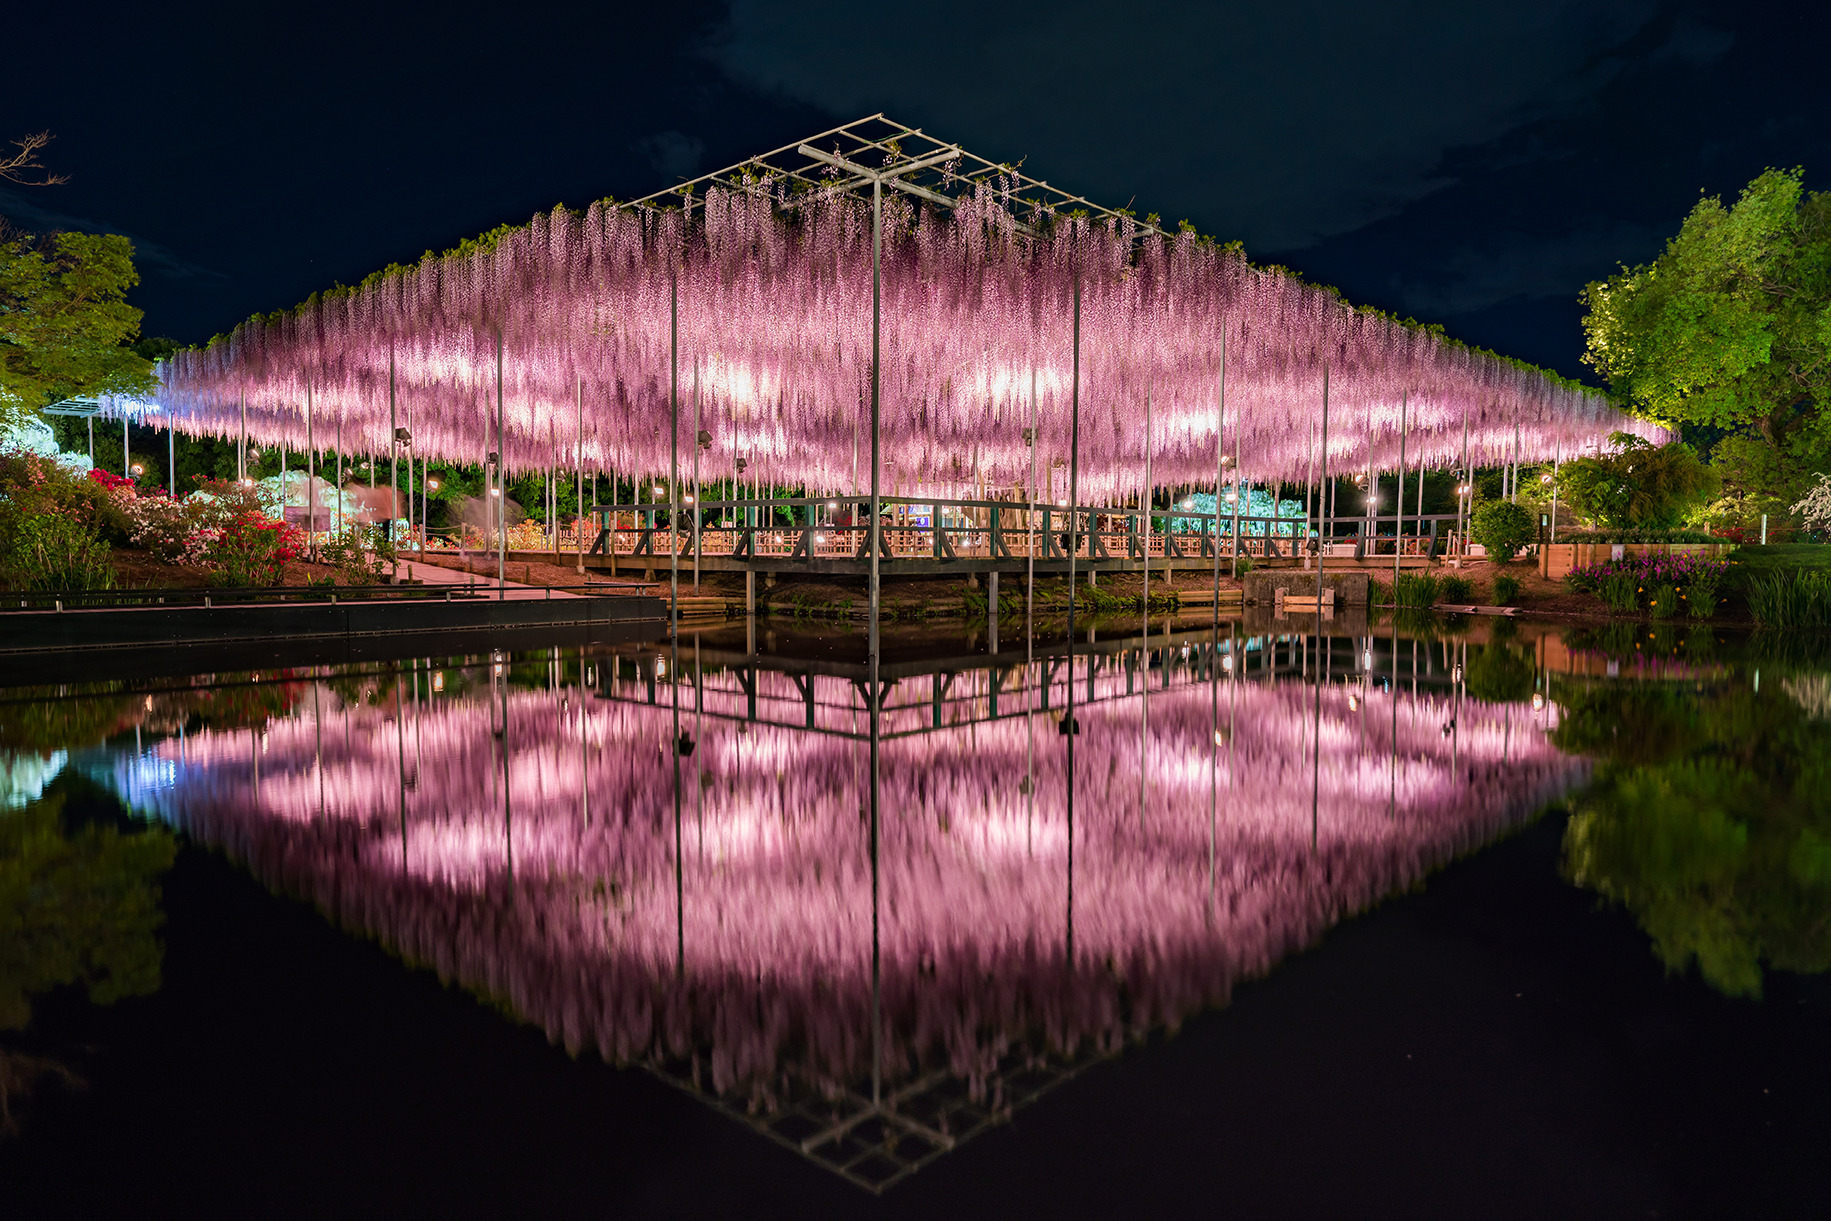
1730,329
65,321
1502,527
24,167
1640,485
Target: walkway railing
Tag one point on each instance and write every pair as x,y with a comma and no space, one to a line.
912,529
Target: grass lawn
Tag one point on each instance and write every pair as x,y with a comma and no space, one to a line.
1750,561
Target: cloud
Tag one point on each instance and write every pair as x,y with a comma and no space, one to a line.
1513,266
151,257
673,153
1278,123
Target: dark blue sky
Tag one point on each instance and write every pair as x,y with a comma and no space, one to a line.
1464,164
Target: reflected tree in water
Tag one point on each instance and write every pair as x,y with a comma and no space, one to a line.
1709,821
78,906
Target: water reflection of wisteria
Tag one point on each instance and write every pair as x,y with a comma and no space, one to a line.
522,841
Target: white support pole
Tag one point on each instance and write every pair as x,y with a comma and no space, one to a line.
311,479
502,489
578,524
1398,508
394,467
698,492
1145,504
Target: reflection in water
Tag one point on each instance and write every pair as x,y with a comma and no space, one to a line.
1710,817
515,826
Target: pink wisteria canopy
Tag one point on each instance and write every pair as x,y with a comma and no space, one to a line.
767,268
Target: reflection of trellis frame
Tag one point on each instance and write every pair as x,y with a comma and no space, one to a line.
800,171
878,1146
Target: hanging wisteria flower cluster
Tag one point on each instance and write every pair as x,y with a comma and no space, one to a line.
751,308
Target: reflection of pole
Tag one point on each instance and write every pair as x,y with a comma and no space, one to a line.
400,759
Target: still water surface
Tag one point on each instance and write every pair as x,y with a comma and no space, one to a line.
908,948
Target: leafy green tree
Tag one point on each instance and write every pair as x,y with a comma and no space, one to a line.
1503,528
1730,328
1638,485
64,320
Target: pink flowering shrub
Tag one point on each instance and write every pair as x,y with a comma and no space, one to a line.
172,530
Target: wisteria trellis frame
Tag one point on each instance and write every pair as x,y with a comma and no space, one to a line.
771,263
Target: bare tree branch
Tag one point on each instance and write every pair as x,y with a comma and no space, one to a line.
18,167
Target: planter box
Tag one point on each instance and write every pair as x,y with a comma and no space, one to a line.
1557,559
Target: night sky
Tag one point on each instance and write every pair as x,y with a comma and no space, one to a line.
1468,165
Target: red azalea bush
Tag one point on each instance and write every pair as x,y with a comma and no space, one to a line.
251,548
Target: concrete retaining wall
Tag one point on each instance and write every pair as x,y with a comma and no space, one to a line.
1261,586
52,631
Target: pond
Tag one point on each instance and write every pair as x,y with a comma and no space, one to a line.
1393,919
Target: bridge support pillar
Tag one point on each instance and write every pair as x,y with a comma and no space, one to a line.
750,594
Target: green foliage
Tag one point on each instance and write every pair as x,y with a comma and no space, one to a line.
1502,527
1378,592
1706,820
1457,590
1639,485
1620,591
1731,326
1501,673
1663,603
362,554
1506,590
1417,589
1702,595
47,551
1638,536
1791,598
77,906
65,321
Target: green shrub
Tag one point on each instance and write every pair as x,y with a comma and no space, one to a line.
49,551
1246,564
1416,589
1378,593
1664,602
1455,590
1701,594
1506,589
1621,591
1503,528
1796,599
